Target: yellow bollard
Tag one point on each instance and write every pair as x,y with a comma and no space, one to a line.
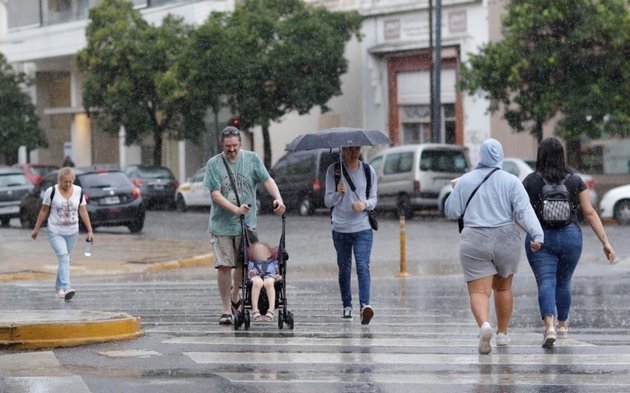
403,249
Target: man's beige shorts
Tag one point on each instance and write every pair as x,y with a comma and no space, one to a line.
226,251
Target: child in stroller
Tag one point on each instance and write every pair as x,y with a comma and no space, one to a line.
262,270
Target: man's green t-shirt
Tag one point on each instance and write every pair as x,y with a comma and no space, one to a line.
248,172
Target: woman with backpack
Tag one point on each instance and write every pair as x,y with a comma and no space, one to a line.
556,195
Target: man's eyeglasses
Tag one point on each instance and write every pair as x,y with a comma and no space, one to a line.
230,131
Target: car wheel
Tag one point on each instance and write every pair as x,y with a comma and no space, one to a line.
137,225
403,206
444,204
305,208
180,204
622,212
25,221
5,221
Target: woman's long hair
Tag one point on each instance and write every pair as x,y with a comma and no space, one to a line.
550,162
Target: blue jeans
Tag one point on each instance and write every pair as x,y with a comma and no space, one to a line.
62,245
553,267
361,244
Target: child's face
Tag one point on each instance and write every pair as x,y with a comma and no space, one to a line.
260,252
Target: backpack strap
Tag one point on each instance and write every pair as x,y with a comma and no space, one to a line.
368,178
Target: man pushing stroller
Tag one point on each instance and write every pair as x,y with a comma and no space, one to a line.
232,177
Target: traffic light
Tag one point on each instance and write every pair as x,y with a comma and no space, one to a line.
235,122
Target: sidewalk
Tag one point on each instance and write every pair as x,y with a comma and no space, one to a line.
113,254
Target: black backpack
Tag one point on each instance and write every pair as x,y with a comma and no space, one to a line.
555,207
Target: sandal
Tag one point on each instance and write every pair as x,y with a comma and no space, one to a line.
236,306
269,316
256,316
226,319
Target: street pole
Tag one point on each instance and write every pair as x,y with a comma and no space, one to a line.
437,65
431,92
403,249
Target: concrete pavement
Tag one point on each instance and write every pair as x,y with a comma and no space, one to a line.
22,258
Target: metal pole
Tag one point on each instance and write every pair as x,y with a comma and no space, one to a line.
431,92
403,249
437,63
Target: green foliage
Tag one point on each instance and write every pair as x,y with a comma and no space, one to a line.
276,56
126,63
18,121
558,56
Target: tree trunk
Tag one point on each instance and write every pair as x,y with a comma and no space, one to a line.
266,146
157,148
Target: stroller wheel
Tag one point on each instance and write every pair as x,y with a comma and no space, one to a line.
290,320
238,320
280,319
247,320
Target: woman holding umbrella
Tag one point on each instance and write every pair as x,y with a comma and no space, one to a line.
346,186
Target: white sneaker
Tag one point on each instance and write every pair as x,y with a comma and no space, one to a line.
502,340
69,294
549,338
485,336
563,332
366,314
347,313
61,293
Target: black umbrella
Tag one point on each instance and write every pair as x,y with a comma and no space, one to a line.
338,137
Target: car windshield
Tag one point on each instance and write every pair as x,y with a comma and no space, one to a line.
13,179
154,173
104,180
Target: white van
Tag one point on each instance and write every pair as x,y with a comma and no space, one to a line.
410,177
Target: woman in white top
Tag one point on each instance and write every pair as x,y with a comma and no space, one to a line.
62,209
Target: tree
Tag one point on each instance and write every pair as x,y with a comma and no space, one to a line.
567,57
126,64
18,121
283,56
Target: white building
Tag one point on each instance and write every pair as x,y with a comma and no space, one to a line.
386,87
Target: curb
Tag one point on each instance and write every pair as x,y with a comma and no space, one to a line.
201,260
79,328
196,261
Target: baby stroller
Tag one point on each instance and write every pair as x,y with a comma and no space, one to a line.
242,316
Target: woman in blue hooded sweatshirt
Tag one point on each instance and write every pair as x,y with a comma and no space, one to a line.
490,244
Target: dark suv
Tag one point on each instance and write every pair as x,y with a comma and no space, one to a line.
157,183
112,200
301,179
13,186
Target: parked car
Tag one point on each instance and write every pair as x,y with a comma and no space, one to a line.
616,204
157,184
192,193
301,179
112,199
35,172
13,186
410,177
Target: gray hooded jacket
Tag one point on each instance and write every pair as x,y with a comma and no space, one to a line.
501,200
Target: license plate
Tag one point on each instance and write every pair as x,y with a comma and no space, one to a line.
158,186
9,209
112,200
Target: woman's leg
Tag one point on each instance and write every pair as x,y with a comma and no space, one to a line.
568,259
59,245
544,264
343,246
362,253
503,301
479,293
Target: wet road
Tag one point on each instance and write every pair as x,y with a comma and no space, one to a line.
422,338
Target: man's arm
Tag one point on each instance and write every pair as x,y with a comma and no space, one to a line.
225,203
